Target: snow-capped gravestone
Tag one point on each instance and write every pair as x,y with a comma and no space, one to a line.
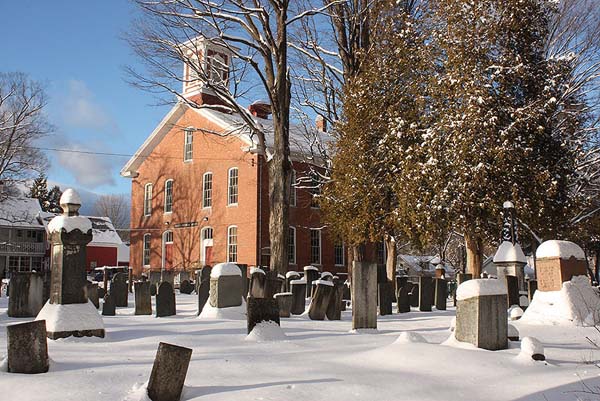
284,300
143,299
203,287
557,262
26,294
311,273
261,310
289,276
27,347
298,296
334,309
69,312
364,295
168,372
165,300
320,300
225,286
258,283
510,260
481,316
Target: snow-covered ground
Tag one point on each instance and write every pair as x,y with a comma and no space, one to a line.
314,361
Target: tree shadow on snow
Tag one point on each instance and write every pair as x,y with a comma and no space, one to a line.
586,389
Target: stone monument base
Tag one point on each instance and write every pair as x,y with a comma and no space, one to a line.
77,320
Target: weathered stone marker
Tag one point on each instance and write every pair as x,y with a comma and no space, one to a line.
426,294
311,273
364,295
320,301
441,293
261,310
108,307
92,293
289,276
481,316
403,298
143,299
26,294
185,287
245,281
510,260
414,295
203,287
258,283
118,289
225,286
27,347
386,298
298,296
165,300
284,301
334,309
153,289
512,285
557,262
68,312
168,372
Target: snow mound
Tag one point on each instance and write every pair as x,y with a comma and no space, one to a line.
515,312
576,304
232,313
69,223
409,337
509,252
480,287
70,317
559,249
531,347
225,269
139,392
266,332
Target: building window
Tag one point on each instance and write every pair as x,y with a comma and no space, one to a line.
207,190
232,192
146,253
207,233
232,251
315,246
188,148
218,67
293,189
315,191
168,237
148,199
292,246
338,253
168,196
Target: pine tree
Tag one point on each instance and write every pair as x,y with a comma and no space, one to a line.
39,191
54,200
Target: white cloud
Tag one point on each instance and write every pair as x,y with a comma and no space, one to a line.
89,170
80,110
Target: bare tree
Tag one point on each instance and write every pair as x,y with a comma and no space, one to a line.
22,122
116,207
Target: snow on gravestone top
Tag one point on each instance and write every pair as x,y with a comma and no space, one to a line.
256,270
311,268
70,196
291,273
323,282
509,252
480,287
69,223
225,269
559,249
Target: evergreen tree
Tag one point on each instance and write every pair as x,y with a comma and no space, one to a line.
54,200
39,191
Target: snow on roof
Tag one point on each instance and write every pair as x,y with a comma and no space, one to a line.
507,252
103,231
480,287
559,249
20,212
225,269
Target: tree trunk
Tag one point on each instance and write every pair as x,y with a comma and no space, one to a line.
390,262
474,246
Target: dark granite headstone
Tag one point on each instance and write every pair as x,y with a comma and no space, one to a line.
203,288
317,309
92,293
274,284
118,289
185,287
258,284
143,299
386,295
153,290
27,347
441,293
109,307
261,310
168,372
531,289
101,293
284,300
26,293
298,293
289,277
401,281
414,295
311,273
512,285
347,295
334,309
165,300
426,292
403,298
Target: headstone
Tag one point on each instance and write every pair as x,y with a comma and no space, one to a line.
92,293
185,287
258,283
414,295
118,289
168,276
155,277
153,289
109,307
311,273
130,279
403,298
168,372
481,316
203,290
347,296
441,293
26,293
289,276
298,295
225,286
317,309
426,294
401,281
165,300
334,309
245,282
101,293
274,284
531,288
364,295
261,310
512,285
557,262
143,299
510,260
284,301
386,298
27,347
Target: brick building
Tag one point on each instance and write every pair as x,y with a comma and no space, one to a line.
199,191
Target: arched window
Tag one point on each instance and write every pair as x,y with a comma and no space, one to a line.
207,190
146,250
232,191
148,199
168,196
207,233
292,246
232,244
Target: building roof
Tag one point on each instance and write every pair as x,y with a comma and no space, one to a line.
232,124
20,212
103,230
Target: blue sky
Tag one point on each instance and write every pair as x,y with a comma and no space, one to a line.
75,48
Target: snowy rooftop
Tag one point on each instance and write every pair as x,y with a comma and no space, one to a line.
20,212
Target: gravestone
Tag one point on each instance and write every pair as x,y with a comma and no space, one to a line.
92,293
258,283
401,281
261,310
27,347
317,309
386,298
118,289
289,276
203,289
441,293
414,295
101,292
512,285
334,309
284,301
109,307
25,294
531,288
426,294
168,372
225,286
185,287
510,260
298,295
168,276
153,290
311,273
143,299
403,298
245,281
364,295
557,262
481,316
347,293
130,280
165,300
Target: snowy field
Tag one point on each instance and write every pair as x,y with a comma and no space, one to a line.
316,361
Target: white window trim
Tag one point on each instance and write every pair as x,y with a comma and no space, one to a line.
211,188
165,202
293,262
144,249
186,131
320,247
149,211
229,244
229,186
